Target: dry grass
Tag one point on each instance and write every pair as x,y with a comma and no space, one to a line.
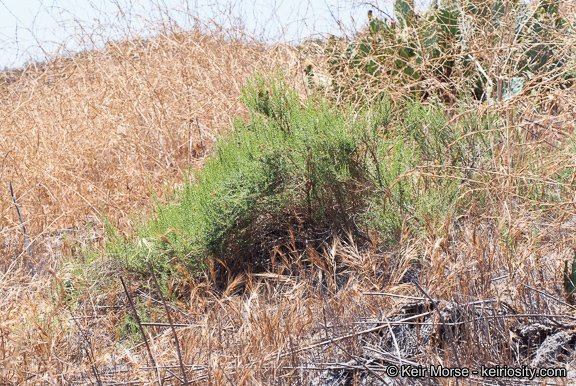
318,314
95,133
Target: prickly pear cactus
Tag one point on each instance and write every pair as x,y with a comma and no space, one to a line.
437,45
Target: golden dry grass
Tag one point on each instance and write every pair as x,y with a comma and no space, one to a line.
96,132
315,312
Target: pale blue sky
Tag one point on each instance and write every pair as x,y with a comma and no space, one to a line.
31,28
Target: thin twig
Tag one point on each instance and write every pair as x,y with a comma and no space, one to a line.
175,376
226,375
550,296
168,324
394,341
171,323
152,360
23,228
448,331
393,295
190,367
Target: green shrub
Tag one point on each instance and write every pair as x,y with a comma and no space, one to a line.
293,165
310,169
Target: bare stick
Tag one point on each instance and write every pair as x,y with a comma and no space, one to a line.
141,330
393,295
170,321
200,134
453,345
175,376
395,341
168,325
226,375
23,227
550,296
94,370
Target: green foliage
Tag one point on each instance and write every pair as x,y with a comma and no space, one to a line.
129,328
446,150
311,166
299,164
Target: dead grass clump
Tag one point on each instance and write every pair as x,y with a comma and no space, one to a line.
339,315
97,131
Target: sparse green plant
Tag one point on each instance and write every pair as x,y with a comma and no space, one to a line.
129,328
570,279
